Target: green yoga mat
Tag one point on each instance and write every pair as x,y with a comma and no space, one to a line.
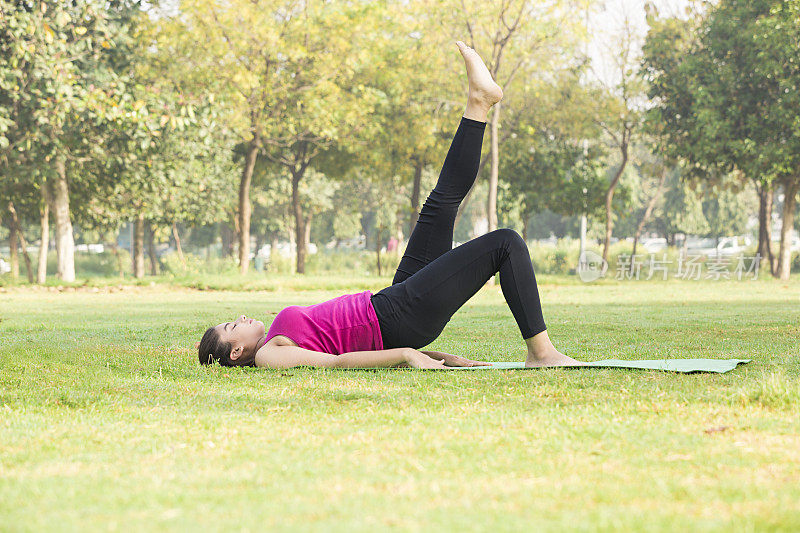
720,366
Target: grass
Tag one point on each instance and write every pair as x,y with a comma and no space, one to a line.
108,422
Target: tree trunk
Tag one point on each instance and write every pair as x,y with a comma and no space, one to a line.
765,194
468,196
44,213
259,243
65,243
582,251
307,232
299,224
647,212
491,201
525,220
227,237
378,248
399,234
610,197
415,190
273,248
151,248
138,246
494,174
790,188
13,250
22,242
244,205
117,256
178,247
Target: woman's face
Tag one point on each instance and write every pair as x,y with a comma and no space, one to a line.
244,334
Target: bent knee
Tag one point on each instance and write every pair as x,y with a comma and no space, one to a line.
510,236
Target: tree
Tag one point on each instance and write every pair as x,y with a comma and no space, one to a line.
620,113
43,46
417,77
726,209
726,96
68,77
289,78
553,162
683,209
518,40
554,174
653,170
148,134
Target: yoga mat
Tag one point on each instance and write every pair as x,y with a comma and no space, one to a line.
720,366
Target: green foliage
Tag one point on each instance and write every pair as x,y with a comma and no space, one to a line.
558,259
727,212
545,172
153,112
51,72
104,264
683,209
197,265
725,84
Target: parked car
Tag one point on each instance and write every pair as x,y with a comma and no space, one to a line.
4,267
285,249
726,246
654,245
94,248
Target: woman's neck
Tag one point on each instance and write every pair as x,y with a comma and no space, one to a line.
261,343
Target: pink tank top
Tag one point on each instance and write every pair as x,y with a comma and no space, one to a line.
347,323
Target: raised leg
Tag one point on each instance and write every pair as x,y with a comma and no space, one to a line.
433,234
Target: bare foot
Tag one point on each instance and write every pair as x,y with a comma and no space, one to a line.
551,357
482,88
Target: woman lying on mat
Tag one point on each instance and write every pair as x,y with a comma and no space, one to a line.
432,282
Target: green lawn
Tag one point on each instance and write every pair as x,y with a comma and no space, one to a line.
108,422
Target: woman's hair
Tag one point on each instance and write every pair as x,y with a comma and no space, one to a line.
212,349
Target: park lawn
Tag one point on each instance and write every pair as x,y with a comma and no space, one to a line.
108,422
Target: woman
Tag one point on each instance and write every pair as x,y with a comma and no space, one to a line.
431,283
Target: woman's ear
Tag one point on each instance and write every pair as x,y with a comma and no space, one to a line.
236,353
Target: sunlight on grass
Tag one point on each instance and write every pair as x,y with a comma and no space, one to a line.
109,423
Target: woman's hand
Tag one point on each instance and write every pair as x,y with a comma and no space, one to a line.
455,360
417,359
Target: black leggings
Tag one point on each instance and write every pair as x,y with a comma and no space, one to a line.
433,281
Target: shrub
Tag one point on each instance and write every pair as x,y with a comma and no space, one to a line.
89,264
196,264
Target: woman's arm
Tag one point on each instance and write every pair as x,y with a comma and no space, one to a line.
291,356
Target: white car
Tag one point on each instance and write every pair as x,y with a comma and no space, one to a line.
94,248
726,246
655,245
4,267
284,249
551,241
